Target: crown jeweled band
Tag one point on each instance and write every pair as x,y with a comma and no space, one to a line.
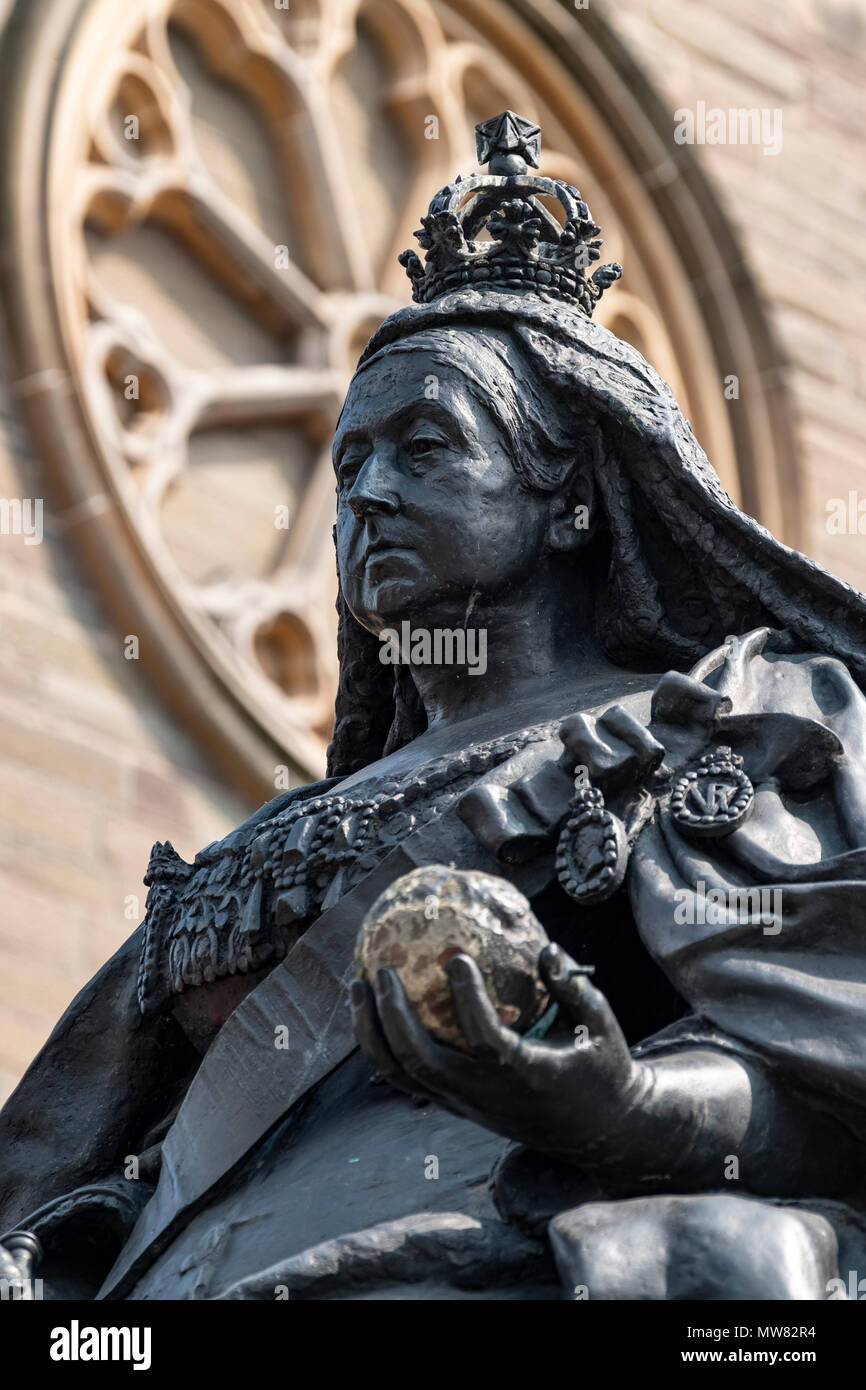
529,249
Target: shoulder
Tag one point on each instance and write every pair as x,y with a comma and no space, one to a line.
267,812
204,920
768,670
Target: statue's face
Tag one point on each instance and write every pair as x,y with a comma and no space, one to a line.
430,518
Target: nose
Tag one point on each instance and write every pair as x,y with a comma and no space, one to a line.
372,491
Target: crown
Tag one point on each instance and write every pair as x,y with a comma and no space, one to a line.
529,249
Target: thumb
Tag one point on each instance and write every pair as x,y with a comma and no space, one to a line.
569,984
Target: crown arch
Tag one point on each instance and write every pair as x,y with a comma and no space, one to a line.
203,219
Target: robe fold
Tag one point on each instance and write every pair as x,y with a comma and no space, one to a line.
760,933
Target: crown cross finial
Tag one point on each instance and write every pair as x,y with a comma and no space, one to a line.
507,143
526,247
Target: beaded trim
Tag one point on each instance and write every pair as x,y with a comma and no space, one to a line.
245,901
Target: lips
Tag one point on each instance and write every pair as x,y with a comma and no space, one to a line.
378,549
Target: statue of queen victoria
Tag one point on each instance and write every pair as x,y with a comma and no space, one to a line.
660,770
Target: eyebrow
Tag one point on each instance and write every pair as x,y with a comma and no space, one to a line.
430,409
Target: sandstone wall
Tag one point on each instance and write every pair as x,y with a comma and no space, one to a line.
91,772
801,213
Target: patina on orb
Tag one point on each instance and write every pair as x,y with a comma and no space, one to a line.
435,913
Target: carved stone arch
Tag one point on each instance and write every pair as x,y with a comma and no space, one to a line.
232,258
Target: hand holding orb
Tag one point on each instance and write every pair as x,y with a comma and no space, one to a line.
432,914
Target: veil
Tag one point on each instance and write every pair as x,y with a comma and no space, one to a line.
681,567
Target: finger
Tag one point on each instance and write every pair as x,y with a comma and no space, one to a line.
571,987
437,1067
482,1029
371,1039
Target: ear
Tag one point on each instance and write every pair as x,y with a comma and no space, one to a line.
573,514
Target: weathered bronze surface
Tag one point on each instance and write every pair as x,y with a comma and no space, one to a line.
660,742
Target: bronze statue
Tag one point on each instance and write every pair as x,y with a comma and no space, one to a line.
658,752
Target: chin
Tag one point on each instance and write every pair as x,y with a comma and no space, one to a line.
394,600
388,611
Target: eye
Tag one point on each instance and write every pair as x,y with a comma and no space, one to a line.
420,445
348,468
